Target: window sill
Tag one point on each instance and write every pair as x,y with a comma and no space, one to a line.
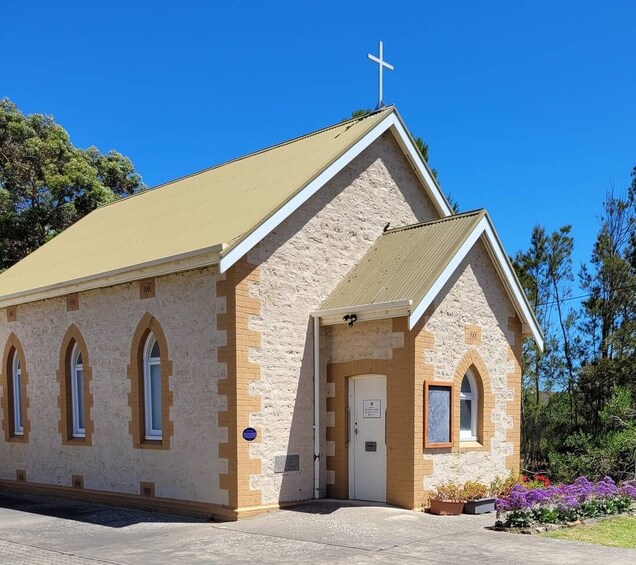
18,438
152,444
470,445
77,441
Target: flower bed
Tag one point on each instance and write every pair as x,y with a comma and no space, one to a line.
553,504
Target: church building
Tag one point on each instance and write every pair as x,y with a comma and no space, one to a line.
308,321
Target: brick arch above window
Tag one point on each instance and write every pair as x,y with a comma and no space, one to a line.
64,400
486,401
146,326
14,347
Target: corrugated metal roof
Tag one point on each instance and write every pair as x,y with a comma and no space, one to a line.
404,263
215,206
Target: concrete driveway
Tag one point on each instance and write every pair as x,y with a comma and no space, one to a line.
43,530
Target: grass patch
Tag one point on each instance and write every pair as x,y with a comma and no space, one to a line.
619,532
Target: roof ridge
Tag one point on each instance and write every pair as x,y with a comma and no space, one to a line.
476,212
252,154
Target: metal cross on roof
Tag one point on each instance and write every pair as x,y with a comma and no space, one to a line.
381,64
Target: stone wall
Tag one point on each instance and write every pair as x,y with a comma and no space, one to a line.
186,308
473,322
300,263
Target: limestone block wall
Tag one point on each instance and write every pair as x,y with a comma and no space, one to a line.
473,322
366,348
186,306
300,263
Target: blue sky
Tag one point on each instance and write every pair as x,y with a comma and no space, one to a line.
528,107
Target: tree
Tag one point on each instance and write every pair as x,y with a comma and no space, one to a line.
545,272
609,323
47,184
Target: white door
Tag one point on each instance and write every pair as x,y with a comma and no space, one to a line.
367,449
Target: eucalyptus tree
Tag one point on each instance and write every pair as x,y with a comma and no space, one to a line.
46,183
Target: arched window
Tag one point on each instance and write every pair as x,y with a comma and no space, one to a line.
150,397
16,390
75,399
468,408
77,392
152,388
14,384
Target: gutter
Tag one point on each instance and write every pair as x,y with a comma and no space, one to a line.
381,310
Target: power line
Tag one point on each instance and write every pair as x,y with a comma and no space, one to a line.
583,296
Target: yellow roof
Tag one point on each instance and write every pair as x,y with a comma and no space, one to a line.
203,211
404,263
410,265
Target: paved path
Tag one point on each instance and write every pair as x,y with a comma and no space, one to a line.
42,530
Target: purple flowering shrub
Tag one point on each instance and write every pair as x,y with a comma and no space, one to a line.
565,503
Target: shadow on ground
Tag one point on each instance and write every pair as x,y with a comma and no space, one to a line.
89,513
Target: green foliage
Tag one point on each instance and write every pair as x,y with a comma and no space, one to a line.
474,490
448,492
549,514
619,532
46,183
518,519
579,394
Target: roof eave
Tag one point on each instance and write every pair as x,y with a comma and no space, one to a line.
364,312
506,273
391,122
201,258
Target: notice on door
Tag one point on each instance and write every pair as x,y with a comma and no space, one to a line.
371,408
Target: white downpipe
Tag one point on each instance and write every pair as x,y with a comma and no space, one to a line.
316,407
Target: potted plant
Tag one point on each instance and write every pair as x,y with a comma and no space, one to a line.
478,498
446,500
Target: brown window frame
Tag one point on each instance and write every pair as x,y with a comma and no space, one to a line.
438,445
14,347
73,337
136,397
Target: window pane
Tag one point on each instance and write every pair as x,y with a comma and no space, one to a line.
79,359
155,396
466,385
17,396
79,375
155,351
465,419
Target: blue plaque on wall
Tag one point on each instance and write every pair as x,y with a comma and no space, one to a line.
249,434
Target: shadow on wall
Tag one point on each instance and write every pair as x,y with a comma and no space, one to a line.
297,482
89,513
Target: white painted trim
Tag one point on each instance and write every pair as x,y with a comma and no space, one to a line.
391,121
498,255
516,293
473,396
301,197
165,266
405,141
419,310
317,404
76,401
18,400
364,312
150,432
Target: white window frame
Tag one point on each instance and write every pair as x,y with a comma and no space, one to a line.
150,432
77,372
466,435
18,424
